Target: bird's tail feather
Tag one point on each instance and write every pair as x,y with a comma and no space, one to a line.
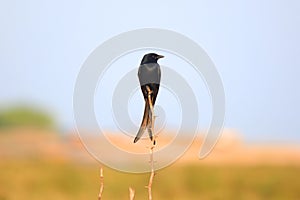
144,123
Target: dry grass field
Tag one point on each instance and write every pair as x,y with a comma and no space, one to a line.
46,165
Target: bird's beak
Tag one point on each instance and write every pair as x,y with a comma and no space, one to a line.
160,56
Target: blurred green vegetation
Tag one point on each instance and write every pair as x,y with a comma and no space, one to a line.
25,116
48,180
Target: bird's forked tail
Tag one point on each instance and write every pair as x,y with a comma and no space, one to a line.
146,123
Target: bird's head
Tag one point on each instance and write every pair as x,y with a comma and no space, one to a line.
151,58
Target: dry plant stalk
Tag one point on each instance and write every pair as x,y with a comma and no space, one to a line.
149,186
131,193
101,184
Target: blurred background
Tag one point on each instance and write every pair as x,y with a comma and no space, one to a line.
255,47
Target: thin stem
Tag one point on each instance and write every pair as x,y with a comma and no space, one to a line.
131,193
151,175
152,147
101,184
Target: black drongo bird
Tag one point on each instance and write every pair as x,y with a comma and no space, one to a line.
149,76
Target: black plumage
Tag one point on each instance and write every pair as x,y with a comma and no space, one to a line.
149,75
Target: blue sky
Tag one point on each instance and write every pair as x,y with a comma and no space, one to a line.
255,46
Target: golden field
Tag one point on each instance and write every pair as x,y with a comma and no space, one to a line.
39,164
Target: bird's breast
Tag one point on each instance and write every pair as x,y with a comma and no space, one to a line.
149,73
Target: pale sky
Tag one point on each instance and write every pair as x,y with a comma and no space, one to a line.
255,46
